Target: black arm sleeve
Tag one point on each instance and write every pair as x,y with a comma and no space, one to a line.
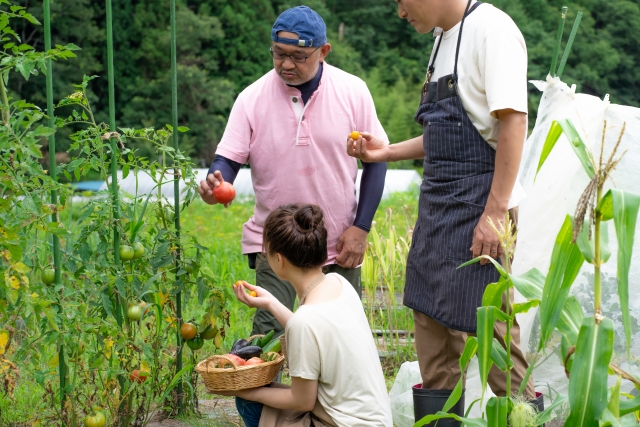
228,168
371,187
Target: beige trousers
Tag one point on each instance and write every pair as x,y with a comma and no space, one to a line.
272,417
439,349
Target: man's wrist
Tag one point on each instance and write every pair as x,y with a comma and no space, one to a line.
497,205
362,228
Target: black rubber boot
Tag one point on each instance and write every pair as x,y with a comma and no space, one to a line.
538,403
427,402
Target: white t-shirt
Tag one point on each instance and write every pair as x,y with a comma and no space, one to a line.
492,71
331,342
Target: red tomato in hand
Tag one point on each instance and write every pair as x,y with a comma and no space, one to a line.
224,193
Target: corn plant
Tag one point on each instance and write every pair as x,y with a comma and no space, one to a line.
587,341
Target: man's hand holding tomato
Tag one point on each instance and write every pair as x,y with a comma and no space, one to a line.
207,187
351,247
368,148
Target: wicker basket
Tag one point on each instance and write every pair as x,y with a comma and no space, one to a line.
237,377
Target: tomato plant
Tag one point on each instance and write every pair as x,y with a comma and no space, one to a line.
75,342
224,193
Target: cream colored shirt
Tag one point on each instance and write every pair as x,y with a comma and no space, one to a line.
331,342
492,71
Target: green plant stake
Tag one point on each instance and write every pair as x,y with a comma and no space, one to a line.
176,188
54,194
567,50
556,49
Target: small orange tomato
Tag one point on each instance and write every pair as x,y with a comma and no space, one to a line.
238,283
253,294
355,135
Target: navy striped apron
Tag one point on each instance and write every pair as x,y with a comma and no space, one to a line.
458,172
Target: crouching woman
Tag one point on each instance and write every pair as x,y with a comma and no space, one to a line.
336,377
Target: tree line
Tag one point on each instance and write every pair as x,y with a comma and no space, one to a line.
223,46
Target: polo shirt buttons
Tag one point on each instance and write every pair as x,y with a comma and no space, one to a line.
295,99
303,118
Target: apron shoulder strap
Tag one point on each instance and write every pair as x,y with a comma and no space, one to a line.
466,13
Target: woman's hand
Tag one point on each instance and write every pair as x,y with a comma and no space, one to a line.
263,298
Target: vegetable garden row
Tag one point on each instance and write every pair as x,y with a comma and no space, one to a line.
91,301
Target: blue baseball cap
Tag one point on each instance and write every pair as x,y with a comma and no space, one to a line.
305,22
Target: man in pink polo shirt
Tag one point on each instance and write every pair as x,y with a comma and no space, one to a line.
291,126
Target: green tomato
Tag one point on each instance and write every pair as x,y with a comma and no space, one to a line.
78,350
134,313
191,267
96,420
48,276
196,343
209,333
126,253
138,250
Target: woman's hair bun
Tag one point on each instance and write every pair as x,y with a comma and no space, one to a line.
298,233
307,218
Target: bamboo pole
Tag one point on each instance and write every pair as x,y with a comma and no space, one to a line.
62,368
176,189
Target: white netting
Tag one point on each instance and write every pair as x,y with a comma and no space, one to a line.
555,192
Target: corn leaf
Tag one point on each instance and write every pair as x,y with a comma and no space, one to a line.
614,402
587,245
578,146
552,138
588,390
530,284
629,406
493,293
487,317
495,263
545,416
469,422
625,215
497,410
499,356
470,350
570,320
566,261
523,307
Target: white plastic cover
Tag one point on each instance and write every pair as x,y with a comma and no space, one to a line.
552,195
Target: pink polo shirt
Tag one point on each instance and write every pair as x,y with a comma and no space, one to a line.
298,152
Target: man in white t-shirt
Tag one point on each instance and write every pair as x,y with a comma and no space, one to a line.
474,113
